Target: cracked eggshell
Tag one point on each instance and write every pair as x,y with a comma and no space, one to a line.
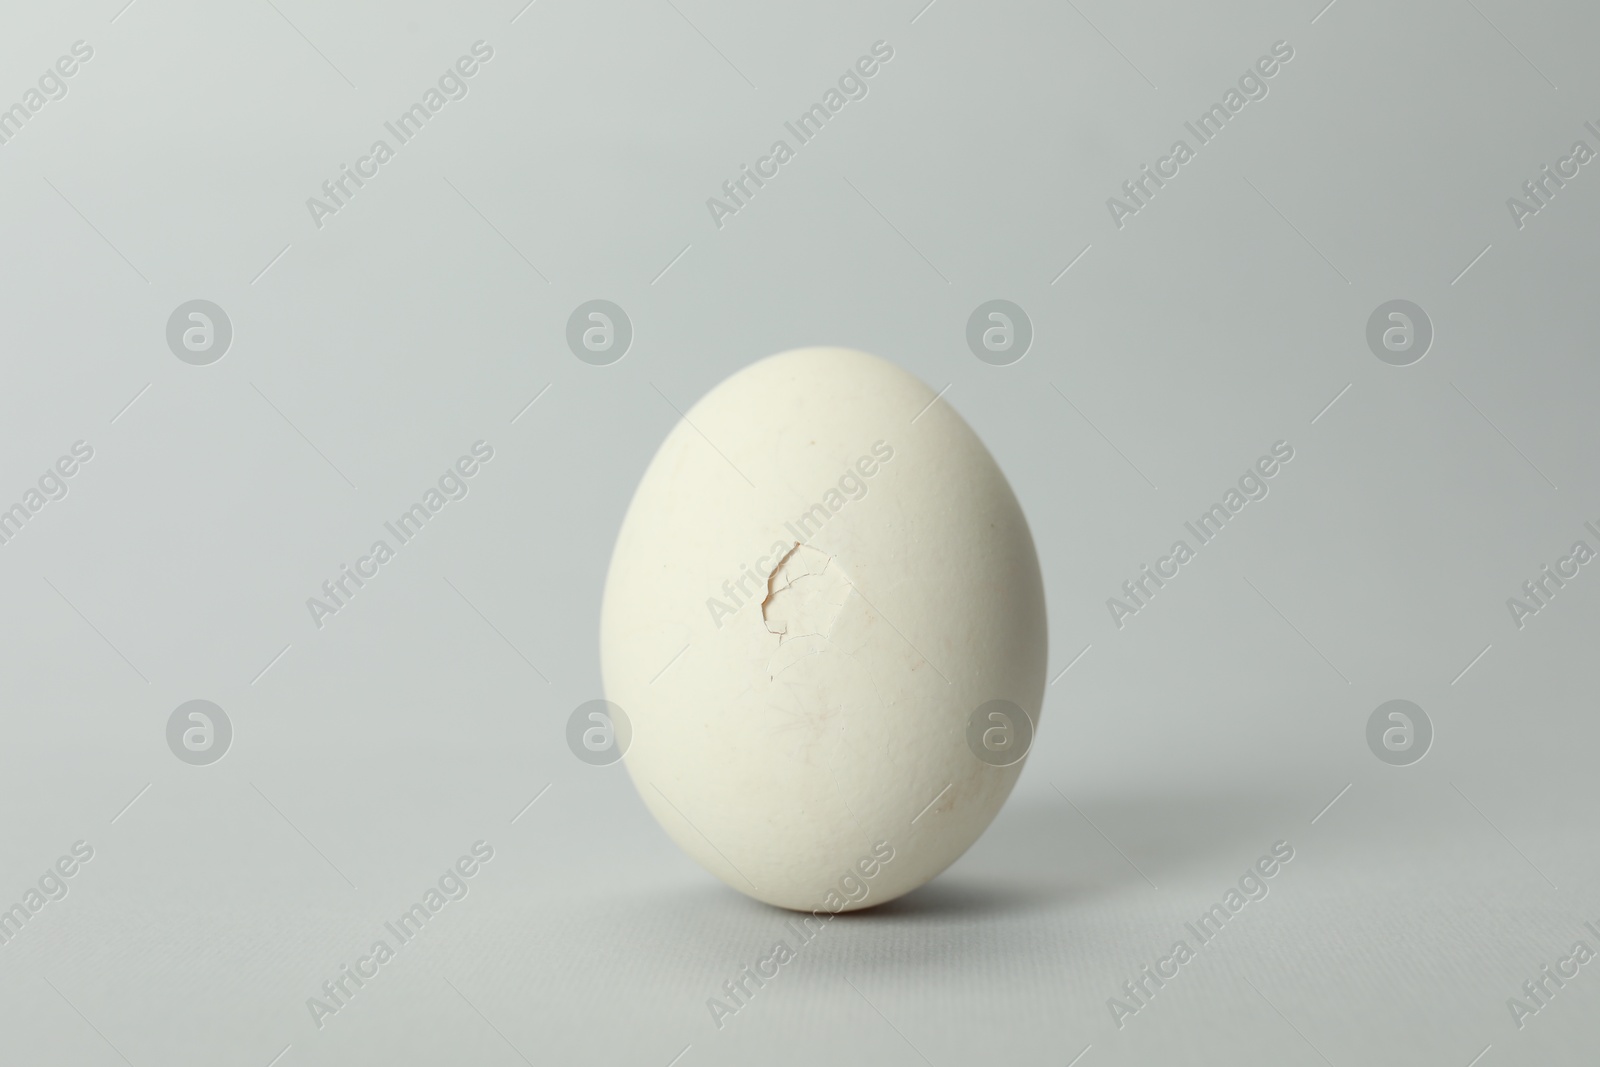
819,579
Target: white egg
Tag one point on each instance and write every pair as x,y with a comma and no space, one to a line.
822,583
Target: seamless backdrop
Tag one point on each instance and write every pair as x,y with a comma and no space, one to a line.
348,355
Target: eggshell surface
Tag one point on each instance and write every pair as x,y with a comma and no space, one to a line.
822,578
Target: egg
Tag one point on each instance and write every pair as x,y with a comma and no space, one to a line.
825,623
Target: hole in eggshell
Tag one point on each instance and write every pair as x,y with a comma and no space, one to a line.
805,593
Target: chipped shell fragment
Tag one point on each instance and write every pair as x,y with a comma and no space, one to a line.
820,699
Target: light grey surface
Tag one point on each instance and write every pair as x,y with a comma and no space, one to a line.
369,353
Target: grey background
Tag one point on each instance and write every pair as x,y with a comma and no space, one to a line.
368,355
